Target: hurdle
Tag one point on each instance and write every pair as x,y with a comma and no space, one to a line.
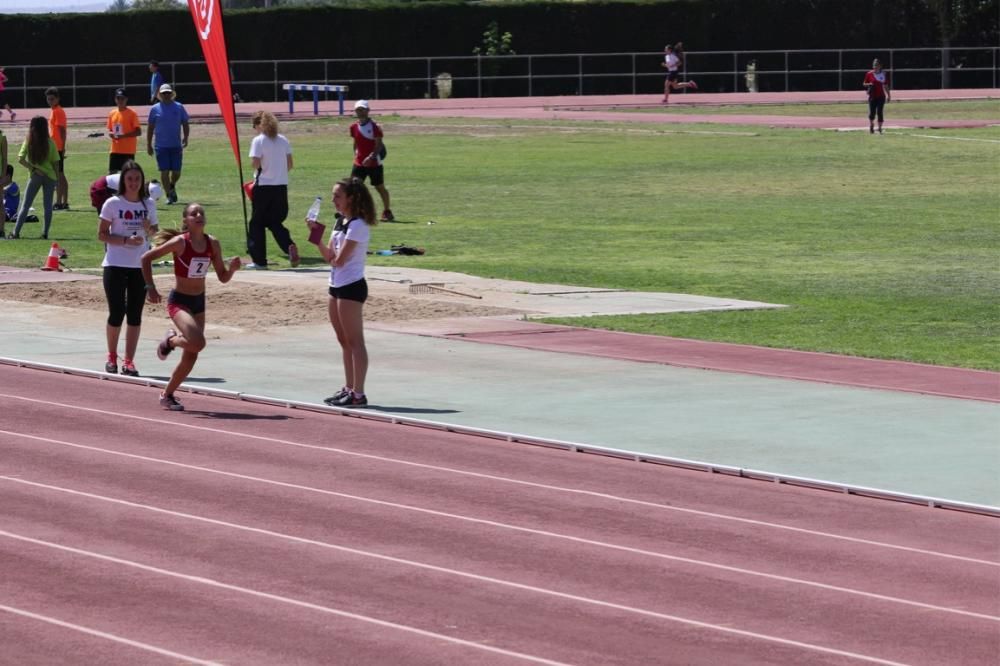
315,88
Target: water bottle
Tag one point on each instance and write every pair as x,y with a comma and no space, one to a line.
313,214
315,229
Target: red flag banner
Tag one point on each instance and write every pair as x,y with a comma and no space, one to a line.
207,15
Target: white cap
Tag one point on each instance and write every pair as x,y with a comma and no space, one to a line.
361,104
155,191
112,180
165,88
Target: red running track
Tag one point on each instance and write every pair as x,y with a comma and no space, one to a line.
250,534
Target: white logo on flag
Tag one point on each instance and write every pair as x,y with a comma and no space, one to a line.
203,10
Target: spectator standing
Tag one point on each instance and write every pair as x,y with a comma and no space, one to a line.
127,222
194,251
40,157
672,63
58,130
123,129
346,254
168,126
877,83
368,153
155,81
3,95
272,160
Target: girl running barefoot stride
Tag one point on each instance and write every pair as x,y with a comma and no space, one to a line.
194,251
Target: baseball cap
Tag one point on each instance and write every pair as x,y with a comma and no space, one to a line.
361,104
120,92
165,88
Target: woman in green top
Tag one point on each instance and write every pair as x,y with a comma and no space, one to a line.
39,156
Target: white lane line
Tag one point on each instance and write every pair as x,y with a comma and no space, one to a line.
326,609
105,635
951,138
507,526
531,484
274,597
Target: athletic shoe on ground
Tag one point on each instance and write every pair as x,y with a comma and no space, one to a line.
339,395
128,369
387,216
111,368
163,349
170,402
255,267
352,400
694,86
293,255
871,130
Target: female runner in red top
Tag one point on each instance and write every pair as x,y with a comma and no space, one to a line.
194,251
877,83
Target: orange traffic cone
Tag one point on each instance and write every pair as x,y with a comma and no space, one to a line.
52,262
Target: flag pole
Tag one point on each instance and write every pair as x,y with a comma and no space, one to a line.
207,17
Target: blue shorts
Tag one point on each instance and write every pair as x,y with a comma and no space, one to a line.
169,159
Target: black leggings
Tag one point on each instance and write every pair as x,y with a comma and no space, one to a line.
125,290
875,106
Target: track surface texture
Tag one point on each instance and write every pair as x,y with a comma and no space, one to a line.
242,533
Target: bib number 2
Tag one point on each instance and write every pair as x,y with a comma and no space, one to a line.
199,267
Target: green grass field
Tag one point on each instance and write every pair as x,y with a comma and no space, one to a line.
883,247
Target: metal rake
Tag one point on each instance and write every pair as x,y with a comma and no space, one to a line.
437,287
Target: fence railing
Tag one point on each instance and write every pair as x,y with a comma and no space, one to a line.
518,75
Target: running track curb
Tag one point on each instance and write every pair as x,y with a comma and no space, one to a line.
574,447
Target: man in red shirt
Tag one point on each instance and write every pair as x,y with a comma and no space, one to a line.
368,154
877,83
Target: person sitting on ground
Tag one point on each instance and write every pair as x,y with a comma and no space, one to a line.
106,187
11,197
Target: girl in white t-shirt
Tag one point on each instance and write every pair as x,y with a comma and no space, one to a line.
672,63
348,290
127,221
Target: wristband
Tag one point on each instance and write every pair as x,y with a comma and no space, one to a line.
149,287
